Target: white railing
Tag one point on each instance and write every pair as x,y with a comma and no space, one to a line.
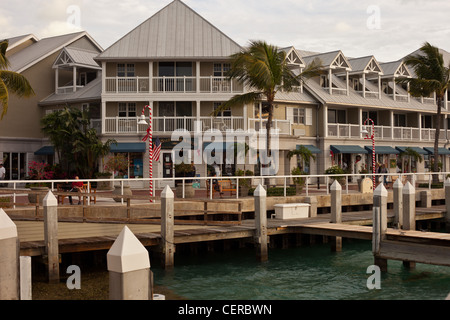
213,84
67,89
127,85
174,84
346,130
284,126
320,183
120,125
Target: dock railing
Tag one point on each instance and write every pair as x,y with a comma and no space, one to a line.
313,183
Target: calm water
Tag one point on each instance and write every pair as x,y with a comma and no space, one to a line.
304,273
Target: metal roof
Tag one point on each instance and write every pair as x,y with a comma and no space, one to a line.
43,48
175,32
79,57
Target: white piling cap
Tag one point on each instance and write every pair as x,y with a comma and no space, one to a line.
398,184
380,191
8,228
409,188
127,253
260,191
336,186
167,193
50,200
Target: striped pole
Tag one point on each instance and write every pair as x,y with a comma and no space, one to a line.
149,136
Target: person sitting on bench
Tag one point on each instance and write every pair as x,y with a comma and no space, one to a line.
76,187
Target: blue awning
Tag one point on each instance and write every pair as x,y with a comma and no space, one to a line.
416,149
311,148
382,150
45,151
441,151
127,147
348,149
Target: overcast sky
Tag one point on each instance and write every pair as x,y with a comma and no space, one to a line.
387,29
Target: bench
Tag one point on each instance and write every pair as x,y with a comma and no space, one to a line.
224,185
64,191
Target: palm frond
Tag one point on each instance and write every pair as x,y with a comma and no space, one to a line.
238,100
16,83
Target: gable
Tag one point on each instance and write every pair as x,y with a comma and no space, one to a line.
340,62
176,31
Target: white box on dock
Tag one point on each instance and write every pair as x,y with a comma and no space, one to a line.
292,210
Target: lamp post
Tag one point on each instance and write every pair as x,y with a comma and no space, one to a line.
372,137
150,145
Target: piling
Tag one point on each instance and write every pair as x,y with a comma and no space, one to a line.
379,224
336,213
167,226
129,269
425,198
398,203
25,278
312,201
51,236
409,214
260,195
9,259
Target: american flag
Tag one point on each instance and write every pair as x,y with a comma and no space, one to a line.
156,149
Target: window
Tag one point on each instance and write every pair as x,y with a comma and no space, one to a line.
427,121
399,120
127,110
125,70
224,113
221,69
299,116
336,116
373,115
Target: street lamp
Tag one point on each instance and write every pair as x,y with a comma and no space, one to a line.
372,137
150,145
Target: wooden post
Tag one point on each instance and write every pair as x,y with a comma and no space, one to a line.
261,223
167,223
398,203
312,200
409,214
51,236
409,207
9,258
379,224
447,203
25,278
129,269
336,213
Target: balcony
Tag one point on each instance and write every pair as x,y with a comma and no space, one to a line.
209,84
352,131
284,126
118,125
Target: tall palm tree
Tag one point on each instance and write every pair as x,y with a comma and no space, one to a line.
10,81
265,70
432,76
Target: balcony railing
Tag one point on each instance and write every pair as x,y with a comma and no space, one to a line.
284,126
209,84
344,130
118,125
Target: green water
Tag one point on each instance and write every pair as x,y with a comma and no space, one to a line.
303,273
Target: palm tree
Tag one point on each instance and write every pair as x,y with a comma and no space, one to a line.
304,153
265,70
432,76
10,81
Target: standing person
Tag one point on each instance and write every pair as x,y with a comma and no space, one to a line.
76,187
2,173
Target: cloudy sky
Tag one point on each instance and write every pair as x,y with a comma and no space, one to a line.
387,29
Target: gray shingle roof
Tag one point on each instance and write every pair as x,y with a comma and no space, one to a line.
176,31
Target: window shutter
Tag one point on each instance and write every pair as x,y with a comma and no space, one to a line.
308,116
290,114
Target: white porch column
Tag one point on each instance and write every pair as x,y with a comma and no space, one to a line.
74,79
360,122
379,86
325,120
330,81
364,85
391,114
197,111
245,117
103,115
150,76
419,124
197,72
347,82
395,95
56,80
103,77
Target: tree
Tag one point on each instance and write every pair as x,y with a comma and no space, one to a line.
432,76
10,82
78,147
304,153
265,70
